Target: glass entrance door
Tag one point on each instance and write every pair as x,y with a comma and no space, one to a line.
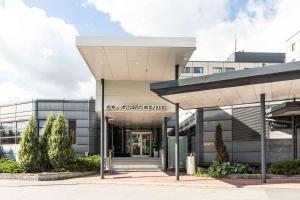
141,144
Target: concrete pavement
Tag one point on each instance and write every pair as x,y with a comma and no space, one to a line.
149,185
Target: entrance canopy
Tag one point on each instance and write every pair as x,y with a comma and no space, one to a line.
285,109
135,58
277,82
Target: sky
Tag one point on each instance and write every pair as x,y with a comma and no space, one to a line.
39,59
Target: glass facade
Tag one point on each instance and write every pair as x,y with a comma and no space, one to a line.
81,119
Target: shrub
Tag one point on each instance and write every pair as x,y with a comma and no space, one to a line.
44,144
285,167
10,166
28,153
221,152
60,148
88,163
218,169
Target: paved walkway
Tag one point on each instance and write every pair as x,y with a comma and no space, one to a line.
161,178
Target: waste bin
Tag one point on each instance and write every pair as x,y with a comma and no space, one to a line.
191,164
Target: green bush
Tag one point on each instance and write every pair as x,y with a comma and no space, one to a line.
60,147
285,167
44,144
88,163
10,166
28,153
218,169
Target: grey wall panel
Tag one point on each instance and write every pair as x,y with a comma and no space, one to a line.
246,146
76,114
210,126
246,123
281,145
82,132
82,123
247,157
81,148
93,116
76,106
273,156
208,157
216,115
55,106
210,136
82,140
44,114
210,147
93,123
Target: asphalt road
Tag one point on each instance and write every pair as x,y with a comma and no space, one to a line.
70,191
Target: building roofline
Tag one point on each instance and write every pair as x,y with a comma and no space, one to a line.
292,36
47,100
280,72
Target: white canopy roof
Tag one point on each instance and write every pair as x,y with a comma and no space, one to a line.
135,58
277,82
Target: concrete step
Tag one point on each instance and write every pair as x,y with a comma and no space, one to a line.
136,164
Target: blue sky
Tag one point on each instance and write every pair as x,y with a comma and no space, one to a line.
90,21
86,18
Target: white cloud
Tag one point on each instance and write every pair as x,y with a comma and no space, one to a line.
260,26
38,56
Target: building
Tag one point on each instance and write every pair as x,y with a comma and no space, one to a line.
137,127
292,48
80,115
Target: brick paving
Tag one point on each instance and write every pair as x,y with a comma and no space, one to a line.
161,178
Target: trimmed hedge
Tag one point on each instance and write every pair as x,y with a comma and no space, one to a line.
285,167
88,163
10,166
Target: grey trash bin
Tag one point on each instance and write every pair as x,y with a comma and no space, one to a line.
191,164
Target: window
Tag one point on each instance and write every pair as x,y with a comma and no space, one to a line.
8,133
72,131
229,69
186,70
293,46
217,70
198,70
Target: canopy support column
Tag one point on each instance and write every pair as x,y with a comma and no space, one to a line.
164,145
177,130
177,141
263,137
102,131
294,136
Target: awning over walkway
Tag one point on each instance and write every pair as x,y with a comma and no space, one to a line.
277,82
285,109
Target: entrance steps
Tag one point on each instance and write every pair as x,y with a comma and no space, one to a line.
133,164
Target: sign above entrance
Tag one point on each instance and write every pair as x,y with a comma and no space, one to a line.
136,107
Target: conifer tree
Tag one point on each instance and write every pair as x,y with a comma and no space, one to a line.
60,147
221,152
28,153
44,143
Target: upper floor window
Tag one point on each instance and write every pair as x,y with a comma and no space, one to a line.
217,70
186,70
229,69
198,70
293,46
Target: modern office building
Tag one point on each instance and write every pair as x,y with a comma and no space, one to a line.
137,127
80,115
292,48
